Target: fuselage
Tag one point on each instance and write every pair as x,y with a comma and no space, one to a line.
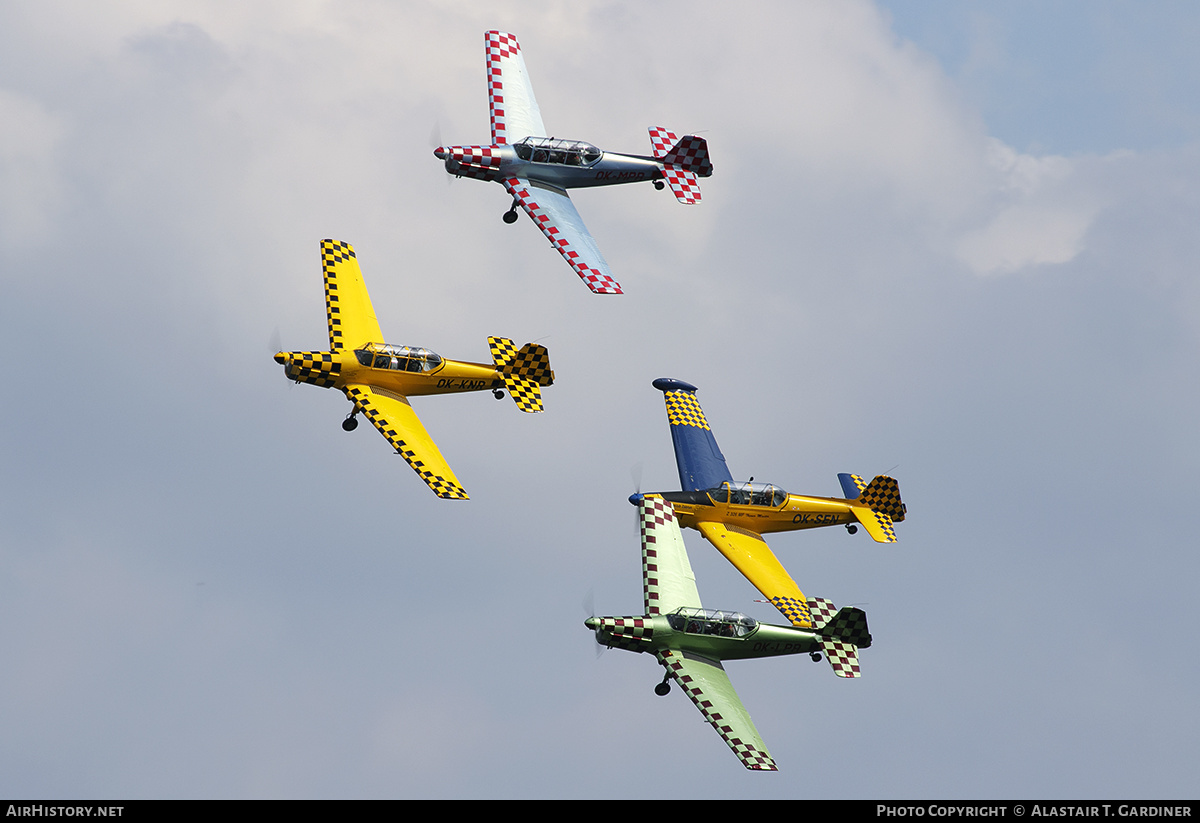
776,511
564,164
715,635
404,370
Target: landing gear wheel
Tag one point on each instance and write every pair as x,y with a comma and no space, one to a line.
853,529
816,656
498,394
662,689
350,423
510,216
660,185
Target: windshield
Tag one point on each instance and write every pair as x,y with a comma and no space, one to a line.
711,621
398,358
563,152
749,494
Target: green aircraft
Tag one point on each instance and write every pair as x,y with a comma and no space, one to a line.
691,641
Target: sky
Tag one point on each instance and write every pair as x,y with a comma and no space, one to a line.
953,242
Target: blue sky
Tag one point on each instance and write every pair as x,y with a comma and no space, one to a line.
953,242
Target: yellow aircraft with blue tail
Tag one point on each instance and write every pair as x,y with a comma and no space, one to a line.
734,516
379,378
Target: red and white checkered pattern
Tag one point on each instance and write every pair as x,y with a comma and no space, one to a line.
487,156
596,280
662,140
655,512
500,45
683,183
477,162
691,153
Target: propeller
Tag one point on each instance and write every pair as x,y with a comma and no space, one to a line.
589,608
435,142
635,473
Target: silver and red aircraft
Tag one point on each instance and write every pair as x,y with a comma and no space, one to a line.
537,170
691,642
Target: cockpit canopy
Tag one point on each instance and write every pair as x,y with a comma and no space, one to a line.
711,621
562,152
398,358
749,494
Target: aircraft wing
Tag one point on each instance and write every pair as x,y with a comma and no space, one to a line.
348,307
398,423
554,213
515,112
667,578
697,455
704,681
755,560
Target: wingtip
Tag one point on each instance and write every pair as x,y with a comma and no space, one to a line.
665,384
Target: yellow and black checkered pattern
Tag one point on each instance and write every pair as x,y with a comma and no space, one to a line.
885,525
533,363
684,410
332,253
883,495
316,367
442,486
794,610
523,372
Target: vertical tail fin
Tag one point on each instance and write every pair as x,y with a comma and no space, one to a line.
523,371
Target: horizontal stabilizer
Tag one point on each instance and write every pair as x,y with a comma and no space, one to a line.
523,371
842,634
682,159
877,524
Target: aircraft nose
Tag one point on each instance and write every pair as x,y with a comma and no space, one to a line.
280,358
440,152
636,498
592,623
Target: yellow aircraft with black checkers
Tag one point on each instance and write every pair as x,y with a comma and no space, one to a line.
691,642
734,516
537,170
379,378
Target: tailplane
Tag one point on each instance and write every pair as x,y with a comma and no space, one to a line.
842,632
876,505
683,160
524,371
